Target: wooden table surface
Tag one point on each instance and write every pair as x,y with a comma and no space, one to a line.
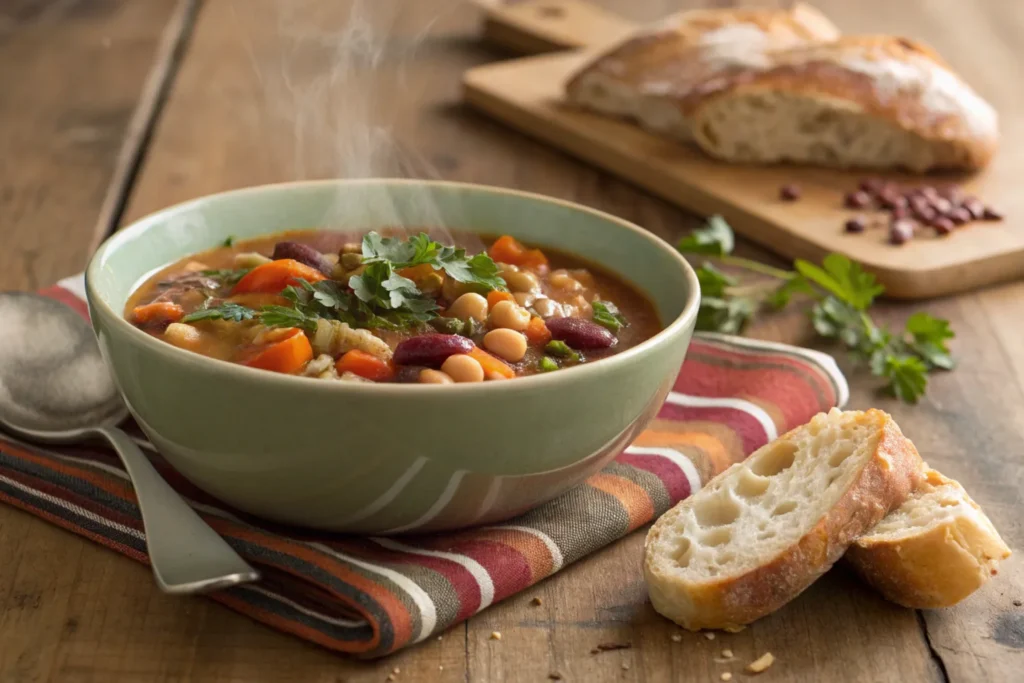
110,109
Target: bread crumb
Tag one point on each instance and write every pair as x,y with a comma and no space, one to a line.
495,635
726,676
440,667
727,653
536,602
676,638
391,677
625,666
396,671
555,676
761,663
709,635
440,637
1017,603
733,629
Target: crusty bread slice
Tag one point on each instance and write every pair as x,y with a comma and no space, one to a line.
762,531
933,551
652,75
858,102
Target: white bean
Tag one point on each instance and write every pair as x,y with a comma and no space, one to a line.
523,281
525,299
470,305
509,315
183,336
507,344
463,368
428,376
547,308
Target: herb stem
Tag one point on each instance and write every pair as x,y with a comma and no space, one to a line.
757,267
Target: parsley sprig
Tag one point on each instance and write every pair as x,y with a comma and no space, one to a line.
479,269
842,294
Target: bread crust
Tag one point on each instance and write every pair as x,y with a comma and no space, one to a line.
668,77
883,484
667,62
895,80
938,567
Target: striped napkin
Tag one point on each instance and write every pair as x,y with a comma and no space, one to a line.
372,596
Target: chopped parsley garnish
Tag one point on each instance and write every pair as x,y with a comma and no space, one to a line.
226,277
560,349
546,364
229,241
607,315
225,311
419,250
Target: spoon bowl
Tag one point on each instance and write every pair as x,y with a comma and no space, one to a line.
55,388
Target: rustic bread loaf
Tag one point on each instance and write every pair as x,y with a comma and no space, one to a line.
933,551
762,531
865,102
651,76
767,86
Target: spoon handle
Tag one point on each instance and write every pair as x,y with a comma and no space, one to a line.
187,556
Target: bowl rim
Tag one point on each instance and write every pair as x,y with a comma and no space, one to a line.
686,318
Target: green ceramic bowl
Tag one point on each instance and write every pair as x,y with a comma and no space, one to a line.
387,458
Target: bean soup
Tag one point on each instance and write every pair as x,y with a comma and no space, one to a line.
392,309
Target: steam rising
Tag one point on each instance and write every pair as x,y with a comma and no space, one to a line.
333,83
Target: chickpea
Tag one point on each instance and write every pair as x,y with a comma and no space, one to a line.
506,269
506,344
183,336
547,308
523,281
469,305
463,368
583,306
584,277
561,279
428,376
525,299
509,315
351,248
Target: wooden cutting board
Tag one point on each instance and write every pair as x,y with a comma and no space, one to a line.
527,94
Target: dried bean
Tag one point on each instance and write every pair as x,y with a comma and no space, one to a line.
431,350
580,334
302,253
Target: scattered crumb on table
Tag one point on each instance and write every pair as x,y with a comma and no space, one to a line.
761,663
709,635
495,635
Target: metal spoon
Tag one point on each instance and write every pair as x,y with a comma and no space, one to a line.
55,388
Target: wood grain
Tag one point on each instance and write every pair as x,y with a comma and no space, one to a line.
252,103
528,94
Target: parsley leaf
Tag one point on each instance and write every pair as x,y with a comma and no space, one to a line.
842,293
229,241
227,277
479,269
225,311
283,316
545,364
716,238
843,278
607,315
908,377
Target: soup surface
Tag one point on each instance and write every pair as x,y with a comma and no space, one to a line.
383,308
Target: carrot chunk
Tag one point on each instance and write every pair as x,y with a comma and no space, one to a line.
507,249
365,365
494,296
158,311
537,333
273,277
491,364
289,353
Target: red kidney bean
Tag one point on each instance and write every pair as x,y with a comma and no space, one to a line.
942,205
303,254
901,232
960,215
943,225
975,207
787,193
579,333
856,224
872,185
991,214
431,350
857,200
